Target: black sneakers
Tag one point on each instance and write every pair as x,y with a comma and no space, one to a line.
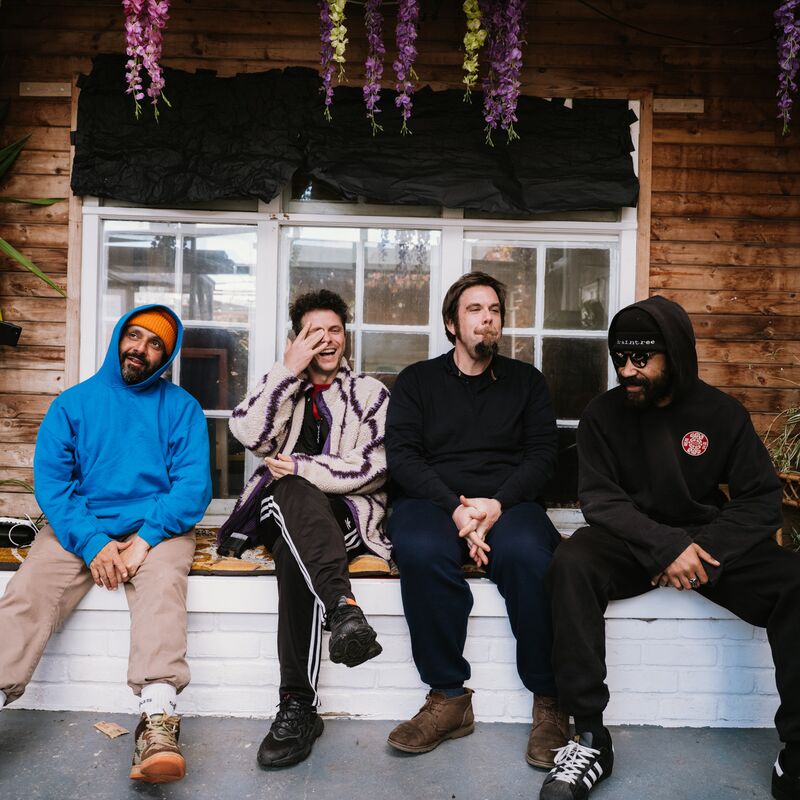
295,728
580,765
353,641
785,785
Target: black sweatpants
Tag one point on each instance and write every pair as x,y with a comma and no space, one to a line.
593,566
437,599
312,537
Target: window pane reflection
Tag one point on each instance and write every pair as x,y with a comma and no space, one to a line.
385,354
214,366
218,281
515,266
323,258
519,347
576,371
576,288
140,269
397,275
226,460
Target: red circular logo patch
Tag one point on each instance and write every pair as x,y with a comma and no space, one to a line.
694,443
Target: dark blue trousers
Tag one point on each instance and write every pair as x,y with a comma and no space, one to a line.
437,599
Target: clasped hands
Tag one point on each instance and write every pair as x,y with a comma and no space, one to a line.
118,562
474,518
686,571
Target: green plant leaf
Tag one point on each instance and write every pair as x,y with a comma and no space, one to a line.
9,153
6,248
17,482
34,201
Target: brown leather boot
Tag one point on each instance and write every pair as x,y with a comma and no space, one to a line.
549,733
440,718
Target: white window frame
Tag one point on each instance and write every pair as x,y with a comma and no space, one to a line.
270,282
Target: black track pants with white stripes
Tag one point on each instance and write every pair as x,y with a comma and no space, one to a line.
306,532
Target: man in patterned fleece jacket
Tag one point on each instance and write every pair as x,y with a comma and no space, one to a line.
316,502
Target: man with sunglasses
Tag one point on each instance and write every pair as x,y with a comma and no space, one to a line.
653,453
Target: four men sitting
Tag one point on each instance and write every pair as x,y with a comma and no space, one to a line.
121,472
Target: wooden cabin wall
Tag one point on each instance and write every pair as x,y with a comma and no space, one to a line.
725,225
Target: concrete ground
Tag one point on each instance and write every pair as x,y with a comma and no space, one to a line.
47,755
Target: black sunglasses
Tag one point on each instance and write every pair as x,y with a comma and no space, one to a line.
639,360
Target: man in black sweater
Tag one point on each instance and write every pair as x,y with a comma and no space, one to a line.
470,442
653,453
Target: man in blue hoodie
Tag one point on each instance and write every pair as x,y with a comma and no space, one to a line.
121,473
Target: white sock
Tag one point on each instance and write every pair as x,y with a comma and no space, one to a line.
158,698
2,699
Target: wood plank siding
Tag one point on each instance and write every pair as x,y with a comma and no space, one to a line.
724,215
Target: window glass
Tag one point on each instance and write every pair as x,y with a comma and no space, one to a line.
576,371
218,276
515,265
576,288
227,459
384,275
323,258
516,346
206,273
214,366
385,354
140,266
397,276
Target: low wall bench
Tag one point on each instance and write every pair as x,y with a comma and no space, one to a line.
674,658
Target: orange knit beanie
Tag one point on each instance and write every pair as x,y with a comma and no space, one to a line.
161,323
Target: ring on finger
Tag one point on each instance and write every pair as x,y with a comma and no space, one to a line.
694,582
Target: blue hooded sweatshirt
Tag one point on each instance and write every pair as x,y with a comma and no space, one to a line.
113,459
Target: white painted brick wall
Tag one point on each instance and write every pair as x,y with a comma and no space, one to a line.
674,659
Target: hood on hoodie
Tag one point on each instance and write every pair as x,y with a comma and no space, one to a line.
676,327
111,372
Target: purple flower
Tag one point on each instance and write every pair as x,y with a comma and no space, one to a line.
501,86
406,37
788,50
373,66
325,28
144,22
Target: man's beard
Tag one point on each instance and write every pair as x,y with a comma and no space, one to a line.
653,391
487,347
136,373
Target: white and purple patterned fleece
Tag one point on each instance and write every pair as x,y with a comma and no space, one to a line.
353,460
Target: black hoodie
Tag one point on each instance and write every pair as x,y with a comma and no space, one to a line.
652,476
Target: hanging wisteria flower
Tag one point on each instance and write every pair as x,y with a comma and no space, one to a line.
473,41
373,66
325,26
338,33
503,21
788,53
406,37
144,22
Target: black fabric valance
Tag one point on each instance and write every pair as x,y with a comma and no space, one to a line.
246,136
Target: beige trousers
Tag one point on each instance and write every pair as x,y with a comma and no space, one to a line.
52,581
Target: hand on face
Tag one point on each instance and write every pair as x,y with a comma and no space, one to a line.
318,348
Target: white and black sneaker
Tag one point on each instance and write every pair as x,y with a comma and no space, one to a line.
579,766
785,785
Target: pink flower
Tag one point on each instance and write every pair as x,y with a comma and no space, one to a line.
144,21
